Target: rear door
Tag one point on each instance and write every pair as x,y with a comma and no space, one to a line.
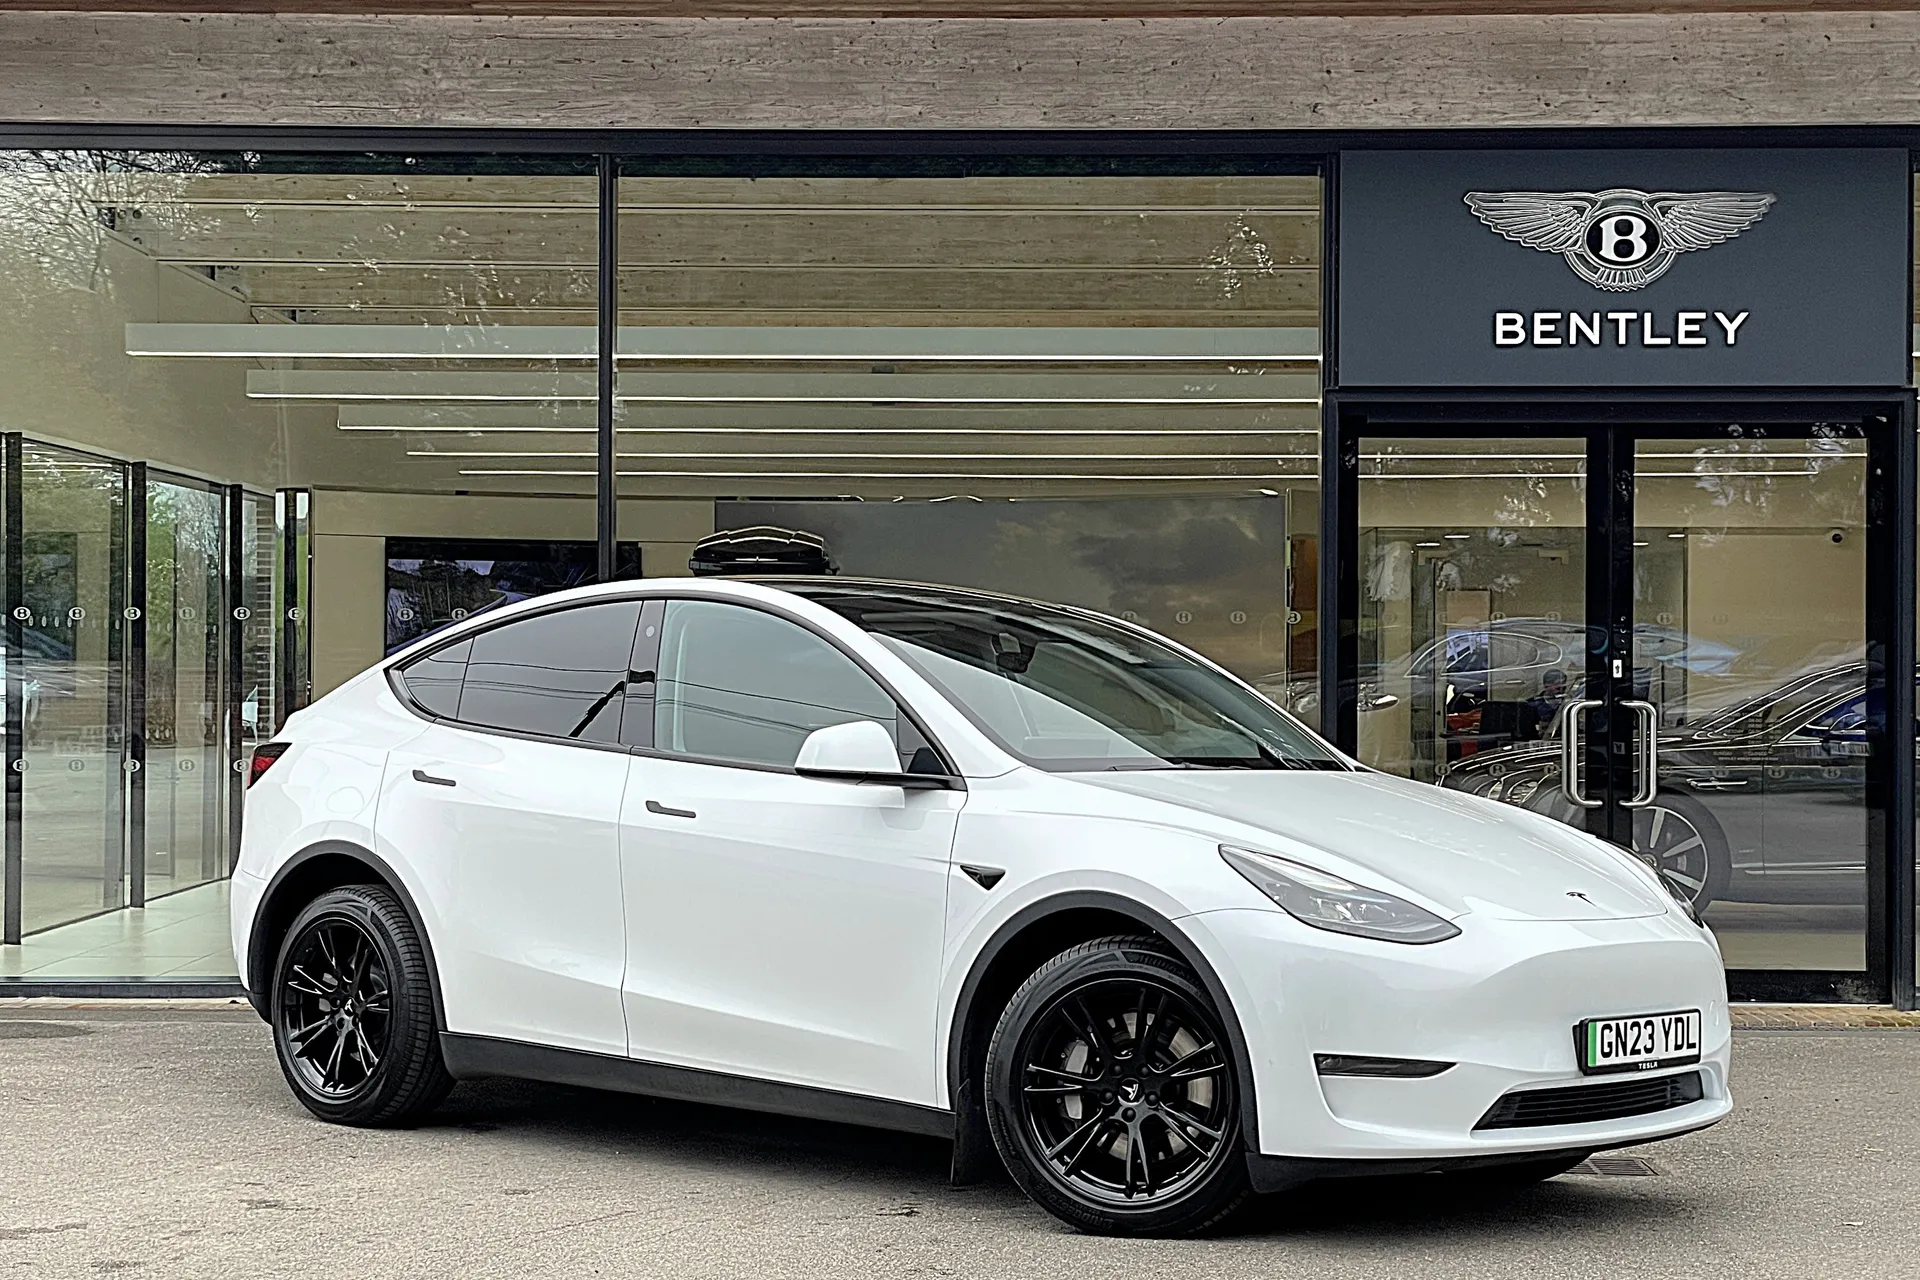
508,807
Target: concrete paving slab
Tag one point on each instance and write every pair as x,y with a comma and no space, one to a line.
162,1142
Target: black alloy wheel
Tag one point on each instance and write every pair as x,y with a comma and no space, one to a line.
336,1010
1113,1095
352,1011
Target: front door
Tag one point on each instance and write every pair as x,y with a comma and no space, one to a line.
779,927
1659,633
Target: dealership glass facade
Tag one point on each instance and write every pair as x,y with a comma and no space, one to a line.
269,416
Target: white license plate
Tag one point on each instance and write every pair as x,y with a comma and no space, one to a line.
1640,1043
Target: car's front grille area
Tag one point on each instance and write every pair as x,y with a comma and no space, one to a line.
1586,1103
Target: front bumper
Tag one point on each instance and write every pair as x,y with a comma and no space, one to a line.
1499,1002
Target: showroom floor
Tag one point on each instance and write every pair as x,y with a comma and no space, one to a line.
182,936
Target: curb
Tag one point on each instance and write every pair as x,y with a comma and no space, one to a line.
1822,1017
49,1004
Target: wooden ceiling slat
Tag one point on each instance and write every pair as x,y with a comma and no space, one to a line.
368,313
943,8
487,238
852,290
365,192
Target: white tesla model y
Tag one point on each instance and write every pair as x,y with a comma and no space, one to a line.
1019,875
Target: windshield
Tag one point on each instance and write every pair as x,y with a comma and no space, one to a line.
1070,693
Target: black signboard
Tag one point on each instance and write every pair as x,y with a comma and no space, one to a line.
1722,268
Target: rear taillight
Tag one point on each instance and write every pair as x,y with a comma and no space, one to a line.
263,757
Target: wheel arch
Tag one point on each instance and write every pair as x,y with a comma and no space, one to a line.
1027,939
328,864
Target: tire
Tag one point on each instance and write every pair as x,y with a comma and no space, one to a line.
370,1058
1664,832
1090,1153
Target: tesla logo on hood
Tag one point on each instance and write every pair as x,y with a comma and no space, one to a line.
1575,893
1621,239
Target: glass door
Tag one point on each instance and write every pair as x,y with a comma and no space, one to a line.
1749,658
1660,634
186,693
71,656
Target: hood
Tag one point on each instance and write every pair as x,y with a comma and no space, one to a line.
1457,851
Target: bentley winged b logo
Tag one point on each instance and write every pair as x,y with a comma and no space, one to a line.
1620,239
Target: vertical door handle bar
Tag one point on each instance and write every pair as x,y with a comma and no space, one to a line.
1647,748
1571,740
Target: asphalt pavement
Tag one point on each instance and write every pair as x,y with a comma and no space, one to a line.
162,1143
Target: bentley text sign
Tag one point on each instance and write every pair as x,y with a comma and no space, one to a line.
1748,267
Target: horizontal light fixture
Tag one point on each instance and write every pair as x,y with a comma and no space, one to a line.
802,343
1761,456
901,457
844,431
784,388
1572,475
865,475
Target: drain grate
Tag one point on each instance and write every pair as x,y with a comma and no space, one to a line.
1616,1167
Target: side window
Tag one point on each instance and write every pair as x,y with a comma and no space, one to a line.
1849,717
1511,652
741,685
434,681
559,674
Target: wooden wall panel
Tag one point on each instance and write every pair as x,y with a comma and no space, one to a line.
1249,73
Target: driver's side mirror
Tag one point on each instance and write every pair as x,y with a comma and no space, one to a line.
861,751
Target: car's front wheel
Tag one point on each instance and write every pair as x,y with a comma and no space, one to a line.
352,1011
1112,1094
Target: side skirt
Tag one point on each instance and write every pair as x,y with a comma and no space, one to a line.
476,1057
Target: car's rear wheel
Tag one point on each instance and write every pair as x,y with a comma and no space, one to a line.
1112,1094
352,1011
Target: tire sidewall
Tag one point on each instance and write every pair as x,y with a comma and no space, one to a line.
364,908
1201,1204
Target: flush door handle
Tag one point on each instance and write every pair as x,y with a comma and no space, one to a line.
421,775
665,811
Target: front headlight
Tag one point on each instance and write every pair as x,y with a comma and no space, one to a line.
1326,901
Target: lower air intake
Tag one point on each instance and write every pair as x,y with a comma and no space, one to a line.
1586,1103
